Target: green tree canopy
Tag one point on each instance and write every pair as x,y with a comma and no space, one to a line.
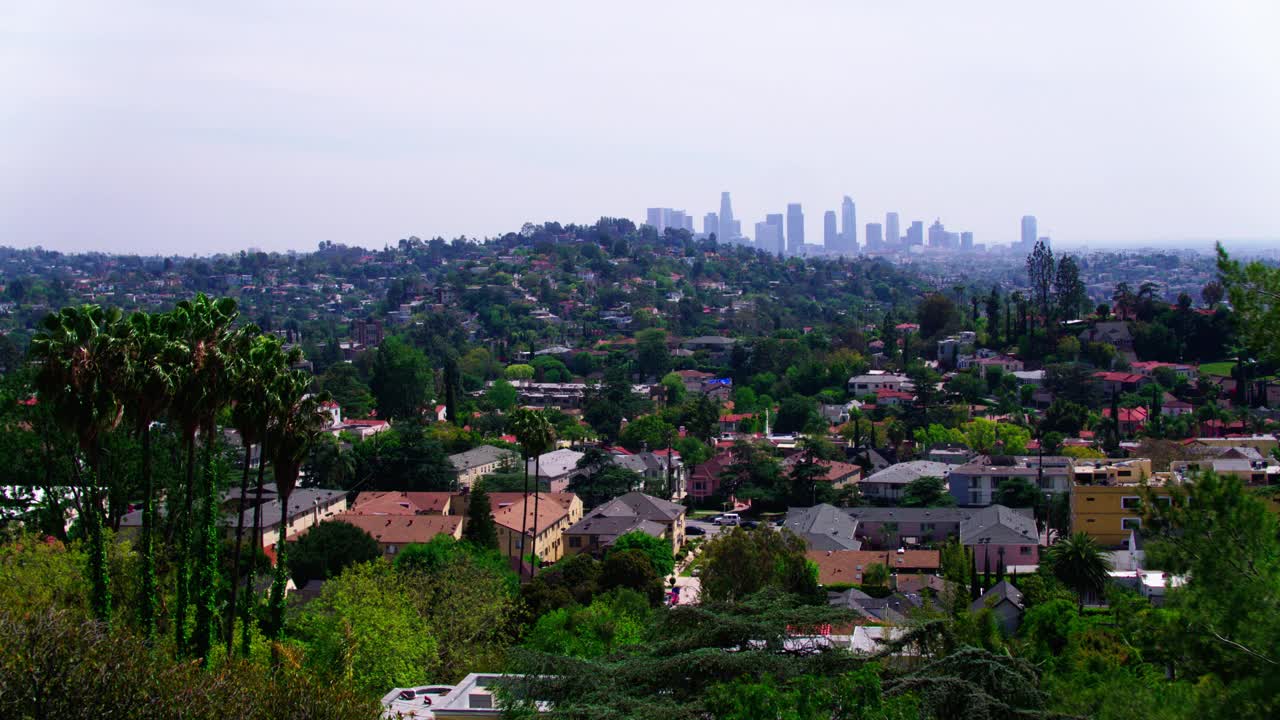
328,548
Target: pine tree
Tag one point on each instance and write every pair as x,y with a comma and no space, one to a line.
480,529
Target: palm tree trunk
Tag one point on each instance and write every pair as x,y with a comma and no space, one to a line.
537,495
235,551
524,521
276,604
249,597
207,559
184,554
100,597
147,604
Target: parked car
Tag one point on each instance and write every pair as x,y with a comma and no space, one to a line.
749,524
694,530
727,519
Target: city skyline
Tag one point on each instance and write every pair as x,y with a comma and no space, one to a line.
166,129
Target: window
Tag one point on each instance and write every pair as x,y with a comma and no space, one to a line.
391,549
1130,502
1024,549
1130,523
1163,501
575,542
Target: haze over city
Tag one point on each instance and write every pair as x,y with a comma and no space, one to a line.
155,129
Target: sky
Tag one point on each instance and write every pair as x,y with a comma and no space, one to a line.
211,127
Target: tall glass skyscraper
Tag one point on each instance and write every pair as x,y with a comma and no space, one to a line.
795,228
829,235
1028,231
891,234
849,226
726,219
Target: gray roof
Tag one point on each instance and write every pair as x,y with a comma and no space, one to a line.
710,340
904,473
824,527
910,515
556,463
998,593
892,608
483,455
637,504
999,525
301,501
611,528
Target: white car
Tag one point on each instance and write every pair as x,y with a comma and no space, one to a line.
727,519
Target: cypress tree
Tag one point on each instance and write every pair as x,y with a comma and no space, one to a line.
480,529
975,590
1000,565
986,566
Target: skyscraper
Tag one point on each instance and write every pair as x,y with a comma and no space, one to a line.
915,233
1028,231
891,236
795,228
711,224
726,219
653,217
677,220
849,225
874,237
829,238
966,241
776,220
937,234
768,236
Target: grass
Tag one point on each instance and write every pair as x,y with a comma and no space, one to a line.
1220,369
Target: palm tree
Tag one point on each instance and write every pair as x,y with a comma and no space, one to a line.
79,350
148,384
300,421
254,372
536,435
1079,563
201,327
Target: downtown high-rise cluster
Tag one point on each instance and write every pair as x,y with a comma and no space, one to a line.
784,233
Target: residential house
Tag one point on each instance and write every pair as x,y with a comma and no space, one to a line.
719,348
893,527
379,502
1001,537
891,610
1114,333
888,484
846,567
1121,382
393,532
653,467
975,483
893,398
1244,463
307,506
1109,513
1149,368
838,474
535,525
632,512
477,462
476,696
1005,601
868,384
704,481
557,468
1132,420
1004,362
824,527
1110,472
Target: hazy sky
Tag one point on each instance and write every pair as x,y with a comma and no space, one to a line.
142,127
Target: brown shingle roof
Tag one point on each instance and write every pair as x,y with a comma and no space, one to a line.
403,529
